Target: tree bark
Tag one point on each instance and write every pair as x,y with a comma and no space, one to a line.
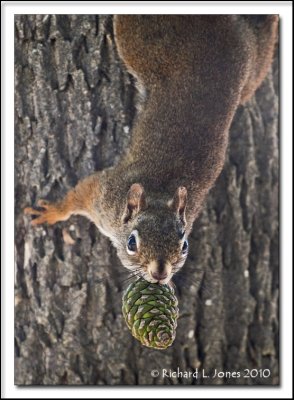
74,108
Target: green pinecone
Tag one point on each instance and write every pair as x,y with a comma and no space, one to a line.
151,312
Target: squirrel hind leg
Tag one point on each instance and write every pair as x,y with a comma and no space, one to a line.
134,46
265,36
149,44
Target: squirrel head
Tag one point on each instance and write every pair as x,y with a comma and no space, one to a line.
154,242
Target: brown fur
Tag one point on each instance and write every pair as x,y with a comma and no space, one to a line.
196,71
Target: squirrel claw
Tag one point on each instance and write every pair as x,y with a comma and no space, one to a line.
31,211
49,213
43,204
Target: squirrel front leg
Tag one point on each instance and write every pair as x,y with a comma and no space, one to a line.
79,201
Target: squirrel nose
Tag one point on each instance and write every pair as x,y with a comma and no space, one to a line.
159,275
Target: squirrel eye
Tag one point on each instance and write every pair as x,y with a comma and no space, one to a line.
132,245
185,247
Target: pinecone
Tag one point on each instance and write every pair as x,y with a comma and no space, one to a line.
151,313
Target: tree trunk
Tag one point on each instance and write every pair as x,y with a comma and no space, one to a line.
74,108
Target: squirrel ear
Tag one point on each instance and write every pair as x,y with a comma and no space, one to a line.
135,201
179,202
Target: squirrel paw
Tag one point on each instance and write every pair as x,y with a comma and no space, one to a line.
49,214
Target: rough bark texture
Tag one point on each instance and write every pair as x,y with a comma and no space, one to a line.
74,107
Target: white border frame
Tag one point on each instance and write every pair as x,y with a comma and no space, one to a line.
9,8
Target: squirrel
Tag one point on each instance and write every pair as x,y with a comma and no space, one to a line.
194,70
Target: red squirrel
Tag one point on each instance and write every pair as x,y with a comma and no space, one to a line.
195,71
